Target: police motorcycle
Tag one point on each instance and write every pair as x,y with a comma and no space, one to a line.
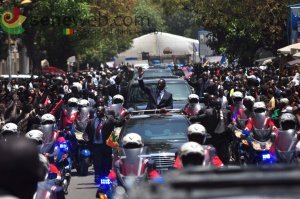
287,140
62,160
82,160
239,124
67,126
56,149
258,143
129,171
51,186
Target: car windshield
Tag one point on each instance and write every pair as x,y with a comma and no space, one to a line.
158,129
180,91
154,73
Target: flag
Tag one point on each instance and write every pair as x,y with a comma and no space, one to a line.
68,31
112,141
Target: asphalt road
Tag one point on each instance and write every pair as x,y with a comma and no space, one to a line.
82,187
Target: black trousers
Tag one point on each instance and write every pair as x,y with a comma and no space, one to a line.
221,143
102,159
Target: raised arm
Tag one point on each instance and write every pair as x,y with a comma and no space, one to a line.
141,81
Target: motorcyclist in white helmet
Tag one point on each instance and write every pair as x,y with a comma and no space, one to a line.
237,99
260,119
287,143
116,108
193,106
85,114
192,154
133,147
8,130
69,113
197,133
36,136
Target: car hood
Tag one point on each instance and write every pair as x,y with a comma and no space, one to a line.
163,147
142,106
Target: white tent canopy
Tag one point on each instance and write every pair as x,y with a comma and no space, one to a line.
160,44
289,49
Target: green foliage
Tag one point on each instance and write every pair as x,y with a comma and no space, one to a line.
239,27
152,15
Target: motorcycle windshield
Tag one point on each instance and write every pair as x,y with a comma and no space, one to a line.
262,134
241,123
132,164
48,132
286,140
192,109
84,113
115,109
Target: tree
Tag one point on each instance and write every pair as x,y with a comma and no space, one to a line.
94,39
239,27
152,15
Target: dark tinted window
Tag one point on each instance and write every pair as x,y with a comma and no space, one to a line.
158,129
180,91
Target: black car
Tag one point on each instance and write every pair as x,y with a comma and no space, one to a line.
138,100
162,134
234,183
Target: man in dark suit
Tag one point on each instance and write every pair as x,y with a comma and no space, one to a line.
159,98
204,85
96,133
216,120
117,88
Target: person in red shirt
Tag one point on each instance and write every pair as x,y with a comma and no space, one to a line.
135,165
197,133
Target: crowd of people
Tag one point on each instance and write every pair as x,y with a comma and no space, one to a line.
229,95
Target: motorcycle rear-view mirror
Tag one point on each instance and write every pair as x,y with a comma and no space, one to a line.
273,137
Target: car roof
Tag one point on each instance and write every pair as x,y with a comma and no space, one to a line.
158,116
168,80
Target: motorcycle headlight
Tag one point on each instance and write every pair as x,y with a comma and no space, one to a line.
238,133
63,146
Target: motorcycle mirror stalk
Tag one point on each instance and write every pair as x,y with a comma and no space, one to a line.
273,137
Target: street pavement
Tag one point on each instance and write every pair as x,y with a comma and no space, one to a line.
82,187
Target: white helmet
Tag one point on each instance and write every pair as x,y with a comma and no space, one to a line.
36,135
83,103
117,98
73,102
288,121
196,129
77,85
237,96
191,147
132,139
250,98
259,105
48,118
9,129
193,97
12,127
